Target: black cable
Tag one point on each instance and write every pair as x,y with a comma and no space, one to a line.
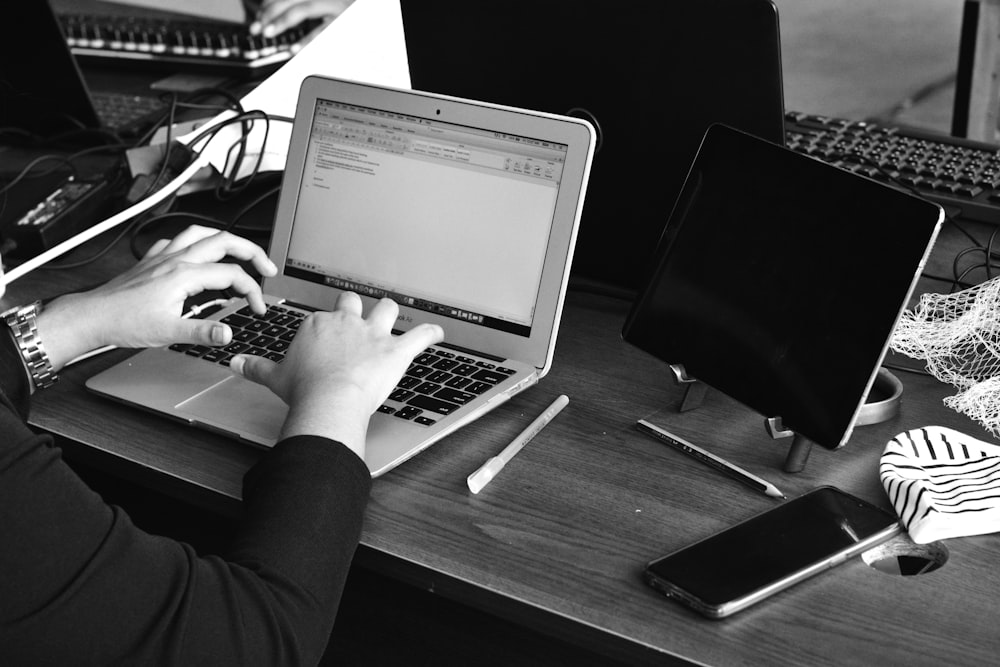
943,279
988,251
93,258
906,369
157,219
188,102
66,159
135,227
204,219
234,102
227,189
958,277
969,270
168,146
927,90
234,223
21,133
26,171
986,265
968,234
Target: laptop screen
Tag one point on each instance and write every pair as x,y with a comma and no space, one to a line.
425,212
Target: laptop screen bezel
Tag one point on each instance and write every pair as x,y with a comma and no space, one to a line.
577,135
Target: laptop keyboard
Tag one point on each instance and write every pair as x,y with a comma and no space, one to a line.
437,383
124,111
190,42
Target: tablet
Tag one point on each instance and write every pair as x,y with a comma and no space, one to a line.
779,278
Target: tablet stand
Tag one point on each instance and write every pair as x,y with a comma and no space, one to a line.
882,405
695,392
798,452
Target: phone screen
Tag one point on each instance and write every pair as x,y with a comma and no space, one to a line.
771,551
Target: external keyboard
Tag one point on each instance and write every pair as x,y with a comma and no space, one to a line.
963,176
191,43
438,382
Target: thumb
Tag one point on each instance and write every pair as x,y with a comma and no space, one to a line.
254,368
205,332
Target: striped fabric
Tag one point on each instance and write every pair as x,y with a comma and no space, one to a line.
942,483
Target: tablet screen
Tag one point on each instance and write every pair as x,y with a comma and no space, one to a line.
778,281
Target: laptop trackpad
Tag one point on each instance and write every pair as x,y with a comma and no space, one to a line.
240,408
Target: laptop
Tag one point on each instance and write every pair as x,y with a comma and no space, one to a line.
43,92
651,75
780,279
465,213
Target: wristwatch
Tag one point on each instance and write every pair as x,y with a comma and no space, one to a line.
21,322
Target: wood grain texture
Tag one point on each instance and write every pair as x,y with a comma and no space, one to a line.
558,540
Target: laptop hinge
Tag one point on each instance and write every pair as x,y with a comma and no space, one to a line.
300,306
466,350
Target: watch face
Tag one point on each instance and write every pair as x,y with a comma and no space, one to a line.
20,313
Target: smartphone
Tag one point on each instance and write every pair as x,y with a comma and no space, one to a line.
742,565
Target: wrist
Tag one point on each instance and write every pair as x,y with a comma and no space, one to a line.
335,417
22,323
66,326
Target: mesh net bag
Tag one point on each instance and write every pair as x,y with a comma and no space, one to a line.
958,336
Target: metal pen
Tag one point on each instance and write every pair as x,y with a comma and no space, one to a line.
709,459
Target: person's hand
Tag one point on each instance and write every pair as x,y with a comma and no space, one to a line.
277,16
339,369
143,306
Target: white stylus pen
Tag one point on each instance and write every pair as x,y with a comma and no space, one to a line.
489,470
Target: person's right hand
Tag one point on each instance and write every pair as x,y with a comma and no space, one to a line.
339,369
143,307
277,16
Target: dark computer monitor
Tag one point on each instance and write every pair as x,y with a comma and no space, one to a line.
42,91
652,74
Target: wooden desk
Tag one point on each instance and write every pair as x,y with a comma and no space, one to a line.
557,542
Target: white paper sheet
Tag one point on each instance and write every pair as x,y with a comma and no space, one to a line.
365,43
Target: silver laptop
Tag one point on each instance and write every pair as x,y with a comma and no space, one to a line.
465,213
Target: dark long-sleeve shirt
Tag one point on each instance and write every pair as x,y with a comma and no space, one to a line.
81,585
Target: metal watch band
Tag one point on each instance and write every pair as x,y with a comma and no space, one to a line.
22,324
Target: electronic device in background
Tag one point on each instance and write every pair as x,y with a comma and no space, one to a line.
164,35
962,175
650,75
68,206
779,281
751,561
43,92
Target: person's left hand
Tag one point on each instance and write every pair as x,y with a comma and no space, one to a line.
143,306
277,16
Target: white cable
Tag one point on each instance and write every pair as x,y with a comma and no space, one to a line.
109,223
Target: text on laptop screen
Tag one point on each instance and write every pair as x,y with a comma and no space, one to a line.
440,217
